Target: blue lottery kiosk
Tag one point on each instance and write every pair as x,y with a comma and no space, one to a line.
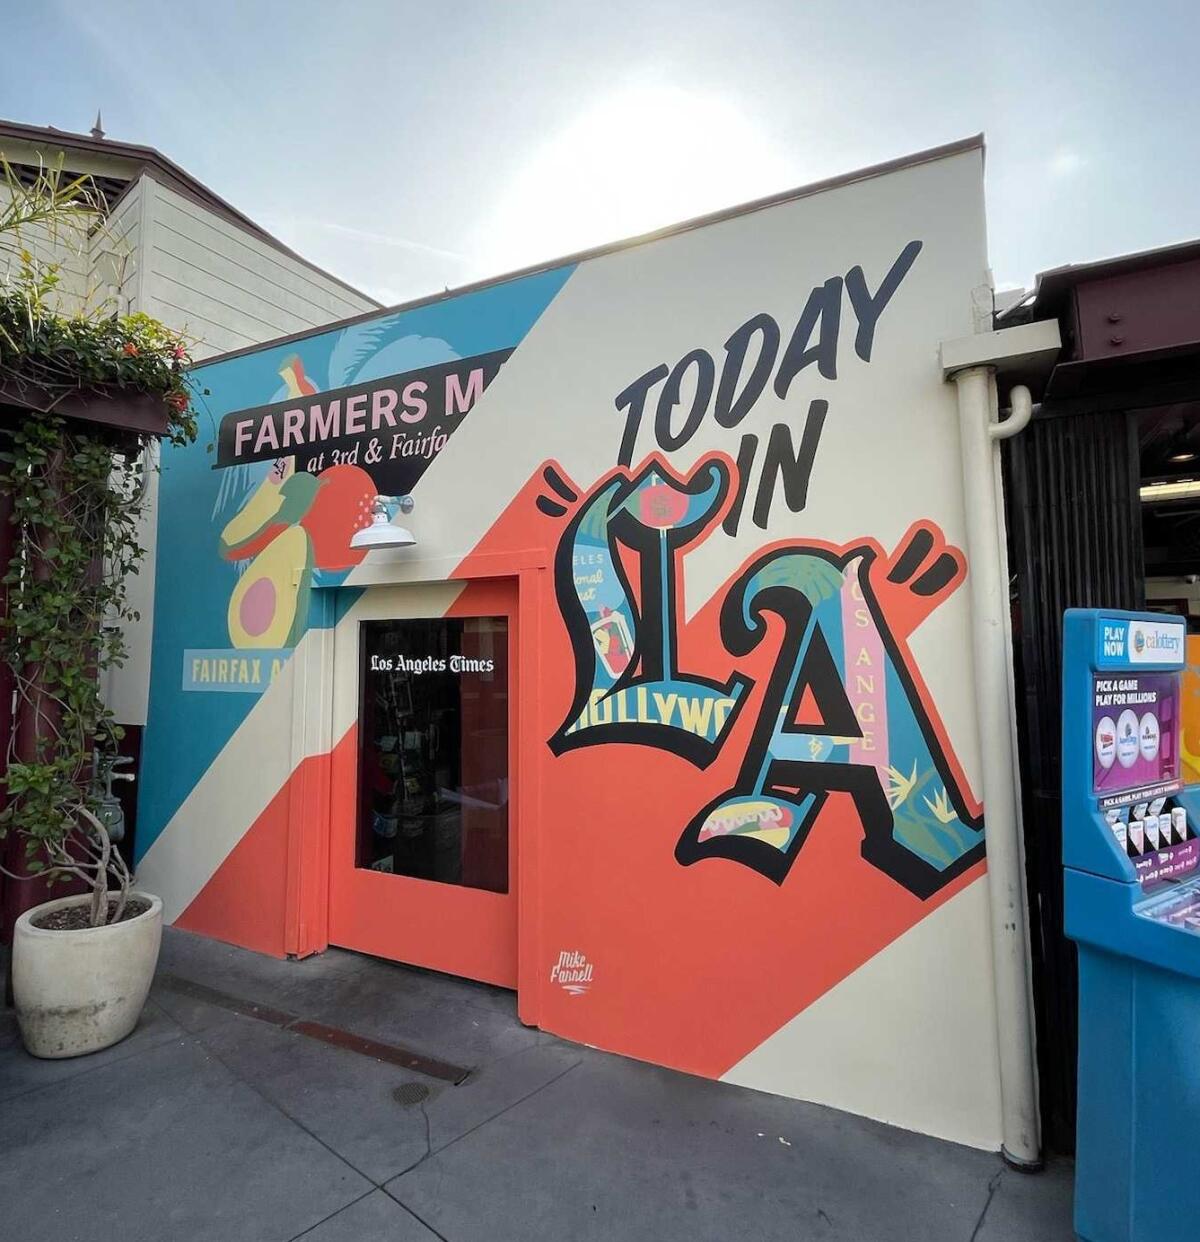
1132,894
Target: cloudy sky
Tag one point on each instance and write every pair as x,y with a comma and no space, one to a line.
408,146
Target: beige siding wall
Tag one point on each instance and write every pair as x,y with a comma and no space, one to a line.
65,245
84,282
113,253
98,267
227,288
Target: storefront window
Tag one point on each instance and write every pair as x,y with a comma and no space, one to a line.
433,761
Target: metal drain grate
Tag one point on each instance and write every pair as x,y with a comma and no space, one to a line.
393,1054
410,1094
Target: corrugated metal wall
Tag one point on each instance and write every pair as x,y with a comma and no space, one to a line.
1076,541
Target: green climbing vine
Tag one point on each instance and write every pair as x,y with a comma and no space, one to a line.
73,492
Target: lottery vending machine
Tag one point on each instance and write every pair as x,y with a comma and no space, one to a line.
1132,900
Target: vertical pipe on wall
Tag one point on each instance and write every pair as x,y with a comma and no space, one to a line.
989,604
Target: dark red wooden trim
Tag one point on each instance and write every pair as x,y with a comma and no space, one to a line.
107,407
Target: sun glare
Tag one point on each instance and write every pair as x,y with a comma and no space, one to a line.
635,160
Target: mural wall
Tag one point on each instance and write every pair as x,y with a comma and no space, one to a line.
725,468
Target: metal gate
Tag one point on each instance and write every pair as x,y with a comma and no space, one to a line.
1075,540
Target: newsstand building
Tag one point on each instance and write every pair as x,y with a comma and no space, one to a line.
631,632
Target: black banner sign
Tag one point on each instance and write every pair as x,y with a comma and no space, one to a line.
392,428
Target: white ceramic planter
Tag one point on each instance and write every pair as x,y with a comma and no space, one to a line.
80,991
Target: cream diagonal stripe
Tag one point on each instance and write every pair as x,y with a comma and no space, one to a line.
233,792
909,1038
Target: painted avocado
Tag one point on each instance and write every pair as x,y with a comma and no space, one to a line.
269,605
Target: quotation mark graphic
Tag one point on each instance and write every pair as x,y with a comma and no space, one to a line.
550,507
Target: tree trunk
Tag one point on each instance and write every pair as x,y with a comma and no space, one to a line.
35,717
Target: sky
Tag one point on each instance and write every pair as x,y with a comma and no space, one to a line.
410,147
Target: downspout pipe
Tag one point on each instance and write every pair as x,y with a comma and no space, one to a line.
980,433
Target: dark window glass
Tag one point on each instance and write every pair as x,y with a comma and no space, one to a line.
433,750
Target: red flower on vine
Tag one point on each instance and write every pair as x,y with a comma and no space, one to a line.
178,401
179,353
131,349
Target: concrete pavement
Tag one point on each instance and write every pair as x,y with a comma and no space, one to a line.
207,1125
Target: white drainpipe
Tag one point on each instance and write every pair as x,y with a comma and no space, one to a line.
980,432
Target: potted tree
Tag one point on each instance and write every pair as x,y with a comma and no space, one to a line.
82,396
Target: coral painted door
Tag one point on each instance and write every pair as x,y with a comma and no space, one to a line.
423,866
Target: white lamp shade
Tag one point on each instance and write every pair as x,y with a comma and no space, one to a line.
382,533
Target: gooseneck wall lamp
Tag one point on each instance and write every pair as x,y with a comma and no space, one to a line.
382,531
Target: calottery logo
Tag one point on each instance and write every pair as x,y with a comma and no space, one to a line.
572,972
1159,640
1151,642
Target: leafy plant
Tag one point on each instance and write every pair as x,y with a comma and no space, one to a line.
46,356
45,199
75,543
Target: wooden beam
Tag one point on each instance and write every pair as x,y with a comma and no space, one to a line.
106,407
